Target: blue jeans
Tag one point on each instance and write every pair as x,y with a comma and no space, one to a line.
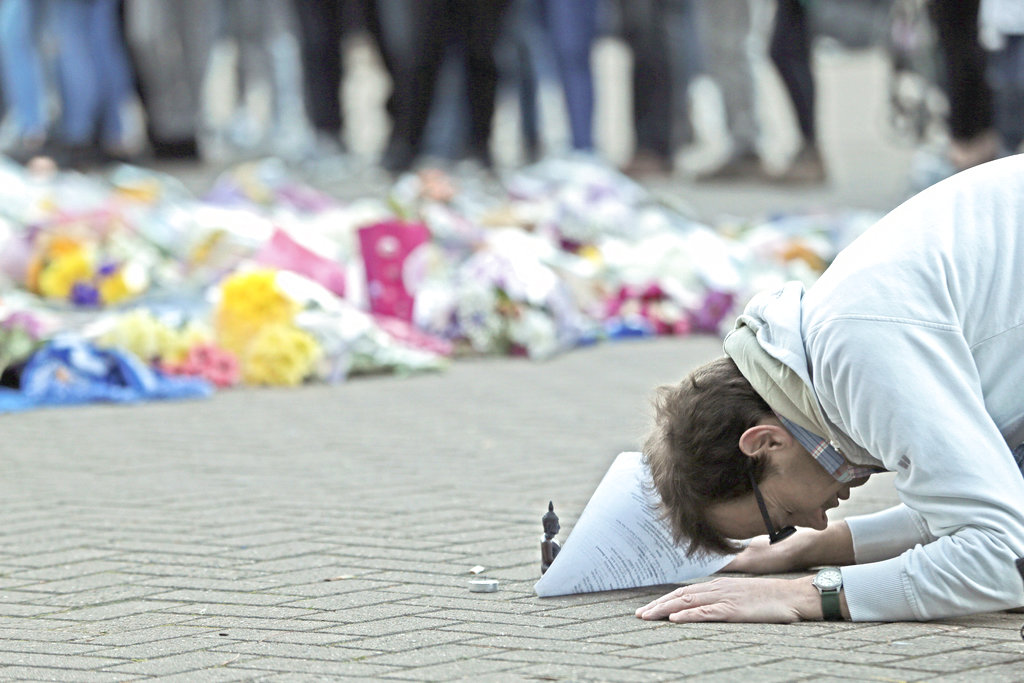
572,25
95,77
23,76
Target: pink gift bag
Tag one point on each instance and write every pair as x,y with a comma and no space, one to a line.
385,246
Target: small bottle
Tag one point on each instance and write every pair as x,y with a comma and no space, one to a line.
549,546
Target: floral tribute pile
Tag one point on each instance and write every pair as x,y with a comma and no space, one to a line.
128,287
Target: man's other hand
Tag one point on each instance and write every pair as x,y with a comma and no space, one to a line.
779,601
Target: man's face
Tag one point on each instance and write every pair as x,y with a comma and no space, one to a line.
797,492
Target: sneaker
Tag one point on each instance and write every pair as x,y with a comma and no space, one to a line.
744,166
647,165
28,148
179,149
807,168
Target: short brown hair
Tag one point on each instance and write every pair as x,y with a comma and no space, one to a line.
693,450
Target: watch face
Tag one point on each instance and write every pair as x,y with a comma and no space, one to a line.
829,579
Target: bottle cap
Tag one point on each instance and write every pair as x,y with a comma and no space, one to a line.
483,585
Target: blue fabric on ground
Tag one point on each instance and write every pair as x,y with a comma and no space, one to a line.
69,371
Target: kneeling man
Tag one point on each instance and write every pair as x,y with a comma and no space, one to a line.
907,355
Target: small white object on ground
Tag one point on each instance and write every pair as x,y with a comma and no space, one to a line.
483,585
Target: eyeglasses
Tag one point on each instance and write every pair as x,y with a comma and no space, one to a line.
773,535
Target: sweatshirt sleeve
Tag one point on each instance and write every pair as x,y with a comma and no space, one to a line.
918,406
885,534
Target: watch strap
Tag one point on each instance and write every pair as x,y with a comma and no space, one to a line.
830,605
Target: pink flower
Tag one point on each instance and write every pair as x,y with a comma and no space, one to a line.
209,361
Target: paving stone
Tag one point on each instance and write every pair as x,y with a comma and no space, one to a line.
1009,672
461,669
46,659
409,640
429,656
219,675
330,653
25,610
530,644
960,660
321,667
826,668
178,663
552,671
384,627
30,673
765,672
78,570
572,659
344,601
123,637
114,610
163,647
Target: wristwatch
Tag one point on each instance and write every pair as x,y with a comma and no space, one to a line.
829,581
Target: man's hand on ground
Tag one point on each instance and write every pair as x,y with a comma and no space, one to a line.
779,601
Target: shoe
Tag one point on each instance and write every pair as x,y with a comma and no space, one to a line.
647,165
182,149
807,168
744,166
398,157
28,148
79,157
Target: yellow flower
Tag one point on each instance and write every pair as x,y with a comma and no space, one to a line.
114,288
151,339
250,301
140,333
280,355
58,275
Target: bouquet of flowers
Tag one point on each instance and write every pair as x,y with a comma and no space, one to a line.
183,349
21,333
255,319
86,261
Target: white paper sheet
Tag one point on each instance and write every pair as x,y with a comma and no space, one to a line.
619,542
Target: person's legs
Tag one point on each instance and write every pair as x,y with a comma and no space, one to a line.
414,36
790,51
573,27
114,73
78,72
1013,131
727,23
971,116
481,26
644,29
320,29
516,74
1005,71
23,78
970,103
686,60
171,41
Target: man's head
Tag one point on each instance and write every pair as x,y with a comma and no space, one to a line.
711,431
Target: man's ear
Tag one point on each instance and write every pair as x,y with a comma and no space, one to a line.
763,438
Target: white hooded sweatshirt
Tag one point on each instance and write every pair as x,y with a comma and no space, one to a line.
912,343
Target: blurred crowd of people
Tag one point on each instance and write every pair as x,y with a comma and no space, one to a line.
92,81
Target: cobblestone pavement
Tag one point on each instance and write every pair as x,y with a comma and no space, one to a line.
328,531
